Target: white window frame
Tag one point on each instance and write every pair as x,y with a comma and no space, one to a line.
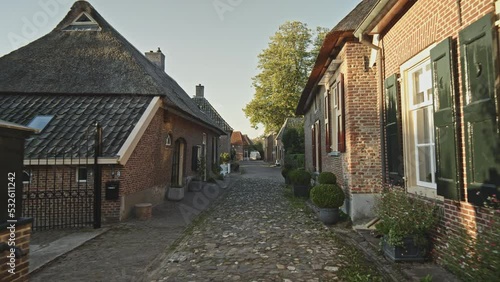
78,174
409,130
335,112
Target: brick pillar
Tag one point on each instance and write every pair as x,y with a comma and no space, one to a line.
12,268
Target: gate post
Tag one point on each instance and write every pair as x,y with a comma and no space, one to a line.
97,176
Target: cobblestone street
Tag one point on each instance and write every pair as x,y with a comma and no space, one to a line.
255,234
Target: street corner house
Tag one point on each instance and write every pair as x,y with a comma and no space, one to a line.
342,114
440,87
106,114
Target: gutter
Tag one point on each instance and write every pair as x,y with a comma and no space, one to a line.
369,19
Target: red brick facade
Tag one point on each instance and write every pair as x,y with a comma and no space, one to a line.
358,169
425,23
144,178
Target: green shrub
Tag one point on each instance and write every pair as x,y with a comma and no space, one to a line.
285,172
300,177
295,160
327,178
327,196
225,157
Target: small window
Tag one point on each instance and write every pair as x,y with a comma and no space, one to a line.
26,177
84,22
168,140
81,174
40,122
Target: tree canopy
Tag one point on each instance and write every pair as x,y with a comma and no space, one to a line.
284,69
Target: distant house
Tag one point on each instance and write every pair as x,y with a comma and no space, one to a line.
289,123
342,115
269,147
82,73
440,66
240,145
223,145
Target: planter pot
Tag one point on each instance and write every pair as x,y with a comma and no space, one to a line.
301,190
408,252
195,185
175,193
329,216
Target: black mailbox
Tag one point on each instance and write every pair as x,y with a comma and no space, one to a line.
112,188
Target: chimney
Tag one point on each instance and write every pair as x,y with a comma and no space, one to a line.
157,58
200,91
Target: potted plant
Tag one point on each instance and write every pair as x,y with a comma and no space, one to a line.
175,193
327,178
301,181
196,184
405,222
328,198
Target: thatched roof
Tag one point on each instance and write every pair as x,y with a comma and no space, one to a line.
99,60
290,123
341,33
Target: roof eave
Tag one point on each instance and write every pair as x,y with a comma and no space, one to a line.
380,17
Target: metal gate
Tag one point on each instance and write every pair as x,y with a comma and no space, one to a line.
62,185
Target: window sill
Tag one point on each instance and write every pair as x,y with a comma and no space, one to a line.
334,154
425,192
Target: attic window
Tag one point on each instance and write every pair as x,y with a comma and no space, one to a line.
84,22
40,122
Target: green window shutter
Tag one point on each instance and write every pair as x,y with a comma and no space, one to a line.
478,57
392,131
194,158
313,139
444,121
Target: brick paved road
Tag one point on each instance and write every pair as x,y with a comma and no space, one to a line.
254,235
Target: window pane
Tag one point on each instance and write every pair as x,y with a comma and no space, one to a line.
82,174
422,85
425,163
423,119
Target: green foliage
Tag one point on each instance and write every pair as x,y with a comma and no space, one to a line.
403,216
285,172
284,69
295,160
327,178
300,177
225,157
327,196
427,278
293,140
475,259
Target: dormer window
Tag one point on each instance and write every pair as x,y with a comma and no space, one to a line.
84,22
40,122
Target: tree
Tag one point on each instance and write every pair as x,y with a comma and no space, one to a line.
284,69
293,140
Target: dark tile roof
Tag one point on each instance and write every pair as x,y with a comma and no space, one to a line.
70,132
210,111
90,62
356,16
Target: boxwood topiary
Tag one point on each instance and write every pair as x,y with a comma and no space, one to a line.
300,177
327,178
327,196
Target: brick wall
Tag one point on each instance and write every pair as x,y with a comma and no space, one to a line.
425,23
364,169
22,237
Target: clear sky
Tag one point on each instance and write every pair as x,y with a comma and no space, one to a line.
212,42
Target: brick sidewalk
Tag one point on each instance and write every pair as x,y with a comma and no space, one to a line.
125,252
